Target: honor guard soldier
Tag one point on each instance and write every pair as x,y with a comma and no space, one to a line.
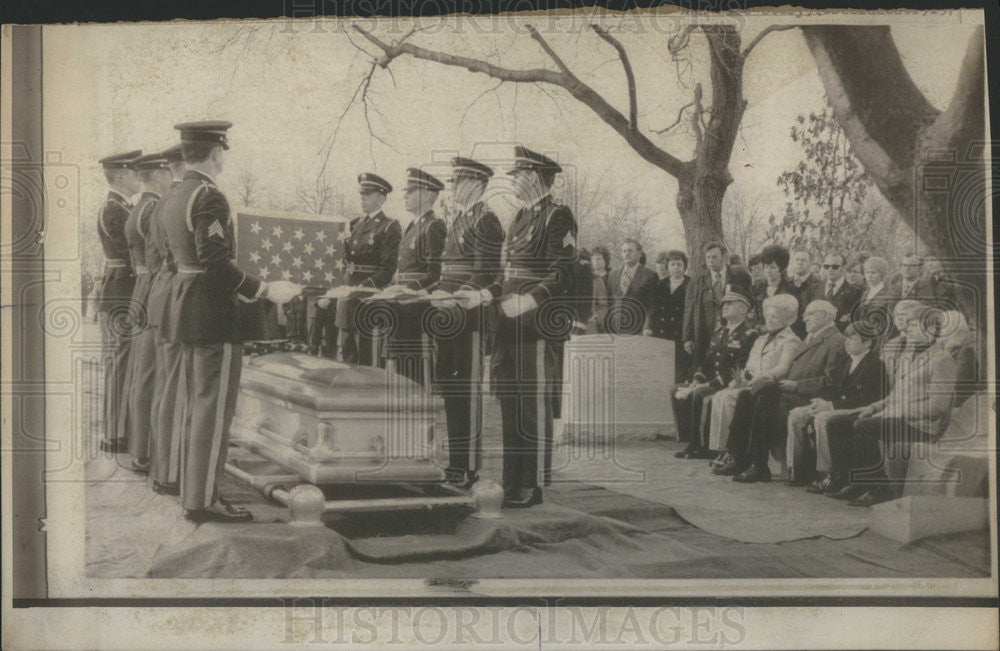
168,405
154,173
116,290
204,317
538,257
418,267
469,264
371,250
727,354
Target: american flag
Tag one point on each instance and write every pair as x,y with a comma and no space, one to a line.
305,249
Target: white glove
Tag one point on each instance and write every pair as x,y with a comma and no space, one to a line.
323,303
470,298
282,291
518,304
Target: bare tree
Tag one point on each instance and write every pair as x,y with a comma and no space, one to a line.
703,178
248,188
319,196
929,163
744,222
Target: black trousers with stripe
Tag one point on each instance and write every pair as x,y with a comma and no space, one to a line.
526,376
458,377
211,377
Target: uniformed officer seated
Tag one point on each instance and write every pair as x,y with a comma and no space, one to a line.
727,353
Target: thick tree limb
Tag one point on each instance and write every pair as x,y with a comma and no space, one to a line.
633,109
764,32
563,78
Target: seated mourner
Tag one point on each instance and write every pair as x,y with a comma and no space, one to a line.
727,354
768,361
861,382
760,416
892,350
916,409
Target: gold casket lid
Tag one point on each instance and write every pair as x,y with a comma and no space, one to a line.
324,385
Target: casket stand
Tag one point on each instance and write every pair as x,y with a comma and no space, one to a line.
329,423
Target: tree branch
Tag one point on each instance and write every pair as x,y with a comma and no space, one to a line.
633,110
680,115
562,78
764,32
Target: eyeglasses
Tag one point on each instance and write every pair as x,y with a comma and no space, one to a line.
831,266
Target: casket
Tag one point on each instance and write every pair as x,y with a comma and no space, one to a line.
336,423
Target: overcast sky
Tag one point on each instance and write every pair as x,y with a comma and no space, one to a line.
111,88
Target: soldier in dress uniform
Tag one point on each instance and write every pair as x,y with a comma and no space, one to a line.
469,264
727,354
204,317
371,251
538,257
154,172
168,404
419,267
116,289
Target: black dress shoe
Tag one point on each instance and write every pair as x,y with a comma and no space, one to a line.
848,492
221,511
140,466
114,445
871,498
733,467
166,488
524,499
700,453
752,475
828,484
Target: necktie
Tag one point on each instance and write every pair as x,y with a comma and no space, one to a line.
717,283
829,289
626,280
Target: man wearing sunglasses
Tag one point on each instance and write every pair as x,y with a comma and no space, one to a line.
842,294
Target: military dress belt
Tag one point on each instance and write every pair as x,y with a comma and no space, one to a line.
410,276
115,263
141,269
189,269
523,273
361,268
456,268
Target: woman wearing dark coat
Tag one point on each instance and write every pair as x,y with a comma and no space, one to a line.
774,261
666,315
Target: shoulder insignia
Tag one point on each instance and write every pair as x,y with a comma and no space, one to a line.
215,230
569,240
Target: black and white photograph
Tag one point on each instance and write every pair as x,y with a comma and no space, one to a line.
410,331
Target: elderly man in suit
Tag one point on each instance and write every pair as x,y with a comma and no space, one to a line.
862,381
759,422
703,302
913,285
631,286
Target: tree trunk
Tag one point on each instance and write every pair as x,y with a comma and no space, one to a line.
928,163
699,202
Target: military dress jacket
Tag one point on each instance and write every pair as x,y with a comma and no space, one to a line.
204,293
136,233
160,261
727,354
371,250
471,257
119,279
419,264
538,259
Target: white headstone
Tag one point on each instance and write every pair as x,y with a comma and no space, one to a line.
616,386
